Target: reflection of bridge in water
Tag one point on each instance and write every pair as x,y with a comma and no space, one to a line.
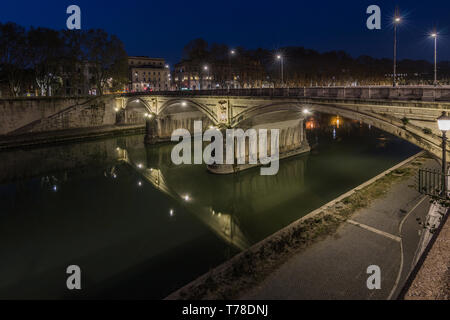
222,224
229,203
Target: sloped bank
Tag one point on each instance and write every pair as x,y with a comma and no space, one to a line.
250,267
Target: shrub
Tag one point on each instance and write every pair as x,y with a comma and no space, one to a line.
405,120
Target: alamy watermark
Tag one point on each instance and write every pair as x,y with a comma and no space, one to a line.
73,281
235,147
74,20
374,280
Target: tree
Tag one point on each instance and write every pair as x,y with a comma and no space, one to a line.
107,59
13,56
196,50
47,54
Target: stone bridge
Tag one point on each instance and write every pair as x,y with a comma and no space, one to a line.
407,112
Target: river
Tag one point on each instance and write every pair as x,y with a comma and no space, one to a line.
139,226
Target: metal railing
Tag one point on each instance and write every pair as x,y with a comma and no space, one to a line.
418,93
430,182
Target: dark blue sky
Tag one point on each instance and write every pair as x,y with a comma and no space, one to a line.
162,28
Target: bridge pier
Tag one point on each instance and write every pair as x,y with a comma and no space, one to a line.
151,131
292,141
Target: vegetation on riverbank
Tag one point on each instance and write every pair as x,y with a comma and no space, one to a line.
251,267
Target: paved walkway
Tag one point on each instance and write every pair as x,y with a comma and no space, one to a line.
385,234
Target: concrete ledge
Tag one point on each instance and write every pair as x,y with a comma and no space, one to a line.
430,279
67,136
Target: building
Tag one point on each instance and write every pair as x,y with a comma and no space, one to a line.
78,80
242,73
148,74
192,76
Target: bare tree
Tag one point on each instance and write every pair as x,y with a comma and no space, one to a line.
13,56
107,59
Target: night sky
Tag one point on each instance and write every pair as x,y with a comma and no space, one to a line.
162,28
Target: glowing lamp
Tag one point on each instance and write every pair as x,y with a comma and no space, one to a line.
443,122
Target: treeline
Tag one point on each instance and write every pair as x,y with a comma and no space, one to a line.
305,67
43,61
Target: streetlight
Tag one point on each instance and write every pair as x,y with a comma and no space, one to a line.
280,57
435,35
396,22
232,53
207,74
444,125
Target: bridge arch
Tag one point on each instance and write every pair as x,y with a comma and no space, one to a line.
265,109
137,100
385,123
189,103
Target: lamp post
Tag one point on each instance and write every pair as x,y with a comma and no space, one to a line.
434,35
280,57
396,22
444,125
207,73
232,53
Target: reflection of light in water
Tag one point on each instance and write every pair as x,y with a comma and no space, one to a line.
139,183
171,212
55,188
334,133
370,126
310,124
336,121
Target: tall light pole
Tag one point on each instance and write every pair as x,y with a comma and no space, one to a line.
168,77
207,73
435,35
444,125
232,53
396,22
280,57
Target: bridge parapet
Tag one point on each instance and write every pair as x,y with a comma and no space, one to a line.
408,93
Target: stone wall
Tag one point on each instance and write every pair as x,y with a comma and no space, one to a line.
20,116
96,113
19,112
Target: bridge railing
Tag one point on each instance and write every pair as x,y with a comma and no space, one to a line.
376,93
430,182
